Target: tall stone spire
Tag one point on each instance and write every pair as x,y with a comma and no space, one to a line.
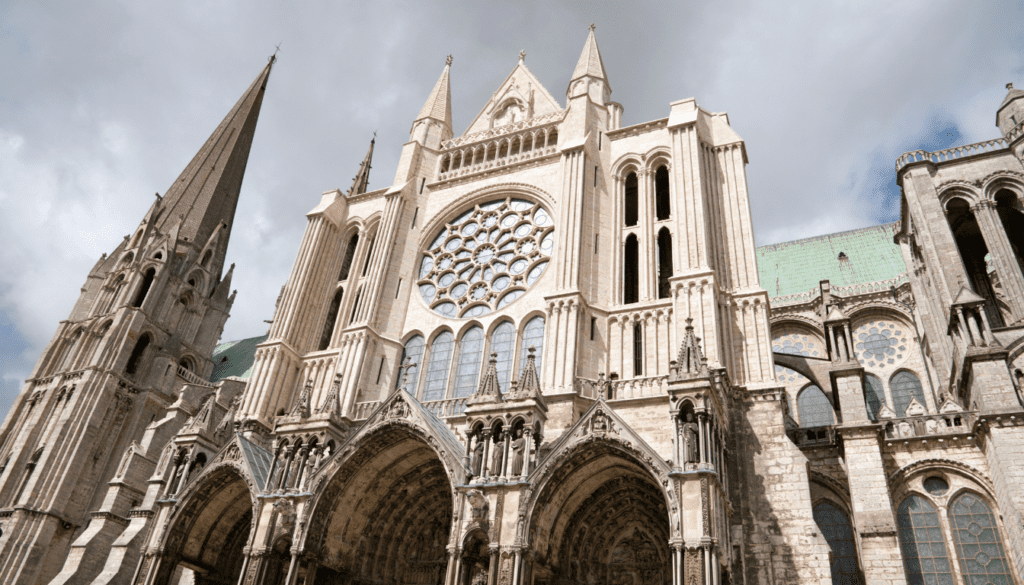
590,63
439,104
362,179
206,193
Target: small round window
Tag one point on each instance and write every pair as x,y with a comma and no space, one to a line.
935,485
486,258
881,344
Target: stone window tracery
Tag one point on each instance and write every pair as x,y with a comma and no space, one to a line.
471,353
815,408
881,344
503,343
486,258
874,395
834,524
924,548
978,544
533,336
905,386
436,381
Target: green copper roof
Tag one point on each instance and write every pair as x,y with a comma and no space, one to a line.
235,358
798,266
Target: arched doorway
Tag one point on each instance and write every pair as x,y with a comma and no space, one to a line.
600,518
206,538
385,514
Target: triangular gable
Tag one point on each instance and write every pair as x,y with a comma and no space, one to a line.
967,297
520,85
257,459
402,407
602,421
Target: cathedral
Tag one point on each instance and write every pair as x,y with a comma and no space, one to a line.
547,353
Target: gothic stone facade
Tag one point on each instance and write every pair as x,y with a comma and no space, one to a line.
542,355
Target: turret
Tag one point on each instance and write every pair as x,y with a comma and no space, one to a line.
1011,112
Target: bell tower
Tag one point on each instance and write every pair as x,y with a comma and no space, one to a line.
146,322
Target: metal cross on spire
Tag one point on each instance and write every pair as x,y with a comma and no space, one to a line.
522,55
592,27
448,61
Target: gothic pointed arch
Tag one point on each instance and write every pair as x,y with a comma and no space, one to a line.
597,508
383,507
211,526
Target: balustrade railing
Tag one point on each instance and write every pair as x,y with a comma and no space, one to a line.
506,129
362,410
190,377
447,408
622,389
870,287
951,153
952,423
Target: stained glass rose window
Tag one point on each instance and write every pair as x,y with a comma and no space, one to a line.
486,258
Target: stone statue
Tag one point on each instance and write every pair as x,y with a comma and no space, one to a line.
497,458
478,457
691,442
518,447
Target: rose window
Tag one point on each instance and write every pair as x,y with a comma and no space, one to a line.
486,258
880,344
796,344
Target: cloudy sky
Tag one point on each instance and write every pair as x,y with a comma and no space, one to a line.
102,104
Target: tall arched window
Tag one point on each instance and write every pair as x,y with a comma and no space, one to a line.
973,250
533,336
471,353
661,192
70,348
115,292
905,386
978,544
147,282
815,408
503,343
922,543
136,357
350,253
436,381
631,271
369,255
874,396
1009,208
834,525
413,352
631,201
332,318
664,262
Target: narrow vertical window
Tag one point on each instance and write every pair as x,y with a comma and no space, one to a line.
593,327
471,353
905,387
662,205
973,250
436,381
350,252
355,307
423,184
332,316
398,288
595,176
147,282
631,200
413,353
874,396
815,408
834,525
533,336
664,262
595,243
600,137
503,343
638,349
924,548
978,544
415,213
380,370
369,255
631,271
136,357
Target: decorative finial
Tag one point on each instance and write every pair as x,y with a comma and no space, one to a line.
1009,85
522,55
448,61
592,27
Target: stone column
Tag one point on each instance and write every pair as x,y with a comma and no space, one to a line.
486,463
506,448
527,450
300,470
289,455
1010,277
492,566
293,569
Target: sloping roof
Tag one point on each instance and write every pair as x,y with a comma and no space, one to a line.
798,266
234,358
590,62
258,458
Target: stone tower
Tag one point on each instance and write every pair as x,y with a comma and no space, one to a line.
146,322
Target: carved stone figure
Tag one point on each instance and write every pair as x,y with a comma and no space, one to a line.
691,441
518,447
478,457
497,458
478,506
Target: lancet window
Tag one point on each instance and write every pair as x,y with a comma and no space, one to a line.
350,253
1011,215
664,262
874,395
471,352
503,343
413,354
834,525
533,336
631,201
661,193
436,381
973,253
631,271
136,356
329,322
147,282
815,408
905,386
638,349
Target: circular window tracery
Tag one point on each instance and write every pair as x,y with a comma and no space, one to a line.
796,344
880,344
486,258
